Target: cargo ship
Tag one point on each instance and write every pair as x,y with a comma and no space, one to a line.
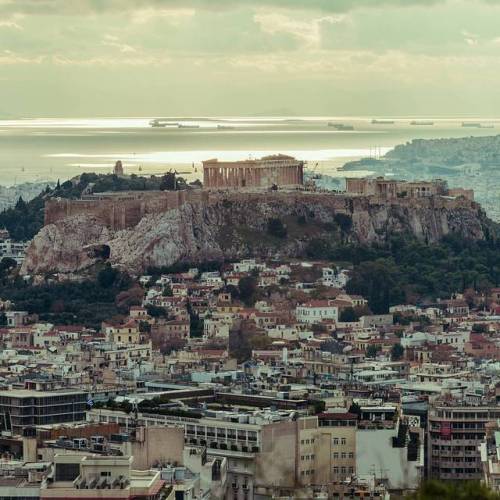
340,126
159,123
477,125
382,122
421,122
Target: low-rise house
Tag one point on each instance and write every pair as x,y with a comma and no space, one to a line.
127,333
315,311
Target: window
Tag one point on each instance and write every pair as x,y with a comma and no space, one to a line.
344,455
336,455
105,473
335,440
343,441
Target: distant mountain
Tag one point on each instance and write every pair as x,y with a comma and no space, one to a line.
276,112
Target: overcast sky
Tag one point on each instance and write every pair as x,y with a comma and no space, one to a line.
242,57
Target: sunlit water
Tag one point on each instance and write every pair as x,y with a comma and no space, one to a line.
49,149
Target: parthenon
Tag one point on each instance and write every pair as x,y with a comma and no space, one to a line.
279,170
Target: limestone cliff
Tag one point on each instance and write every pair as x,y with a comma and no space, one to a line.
234,225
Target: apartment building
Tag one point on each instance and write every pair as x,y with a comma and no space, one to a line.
490,457
455,432
21,408
93,477
266,451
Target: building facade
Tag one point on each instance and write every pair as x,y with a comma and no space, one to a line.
391,188
269,171
455,434
24,408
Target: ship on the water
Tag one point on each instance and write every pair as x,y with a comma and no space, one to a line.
382,122
187,125
477,125
422,122
157,123
160,123
340,126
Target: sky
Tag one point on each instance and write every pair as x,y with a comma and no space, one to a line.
249,57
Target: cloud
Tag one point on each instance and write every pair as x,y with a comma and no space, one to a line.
115,43
109,61
172,16
8,57
470,39
306,31
10,24
80,7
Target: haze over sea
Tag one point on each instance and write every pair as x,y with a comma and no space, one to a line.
52,148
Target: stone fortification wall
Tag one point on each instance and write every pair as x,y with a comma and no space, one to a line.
125,210
120,210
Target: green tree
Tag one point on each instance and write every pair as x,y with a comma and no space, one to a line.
372,351
318,406
460,490
380,282
144,327
156,311
479,328
248,289
344,221
168,182
107,276
318,249
275,227
348,315
397,352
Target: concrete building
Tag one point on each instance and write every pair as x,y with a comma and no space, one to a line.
455,432
22,408
316,311
93,477
490,458
265,450
279,170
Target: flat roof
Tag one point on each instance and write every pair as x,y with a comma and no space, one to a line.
28,393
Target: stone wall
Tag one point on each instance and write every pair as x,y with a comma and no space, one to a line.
125,210
120,210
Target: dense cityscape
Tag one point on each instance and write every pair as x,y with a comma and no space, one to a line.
314,376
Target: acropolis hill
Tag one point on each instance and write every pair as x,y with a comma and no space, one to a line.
158,228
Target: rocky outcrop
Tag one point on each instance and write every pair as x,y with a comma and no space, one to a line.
235,225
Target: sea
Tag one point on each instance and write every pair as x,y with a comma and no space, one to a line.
48,149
